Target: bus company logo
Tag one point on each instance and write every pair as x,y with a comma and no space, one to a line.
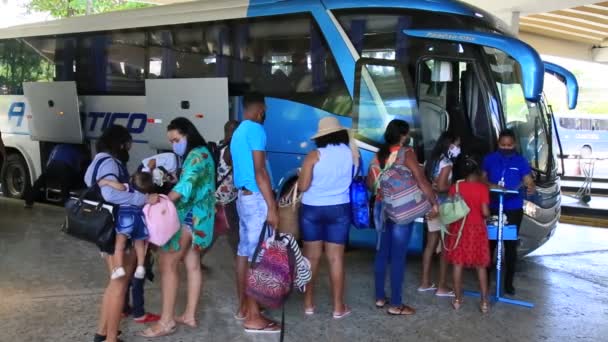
17,111
135,122
450,36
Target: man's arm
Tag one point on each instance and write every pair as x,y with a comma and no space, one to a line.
263,181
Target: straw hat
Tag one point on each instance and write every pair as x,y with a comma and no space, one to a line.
328,125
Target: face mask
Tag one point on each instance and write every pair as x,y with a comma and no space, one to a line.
180,147
506,151
454,151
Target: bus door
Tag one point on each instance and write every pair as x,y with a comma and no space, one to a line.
464,98
55,113
450,97
204,101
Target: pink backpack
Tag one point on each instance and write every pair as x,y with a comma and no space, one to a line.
161,220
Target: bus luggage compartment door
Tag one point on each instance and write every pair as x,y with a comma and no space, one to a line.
204,101
55,113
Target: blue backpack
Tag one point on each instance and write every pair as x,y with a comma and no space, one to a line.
359,200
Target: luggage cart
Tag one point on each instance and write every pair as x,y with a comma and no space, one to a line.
587,169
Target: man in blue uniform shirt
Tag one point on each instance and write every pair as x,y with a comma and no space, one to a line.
508,169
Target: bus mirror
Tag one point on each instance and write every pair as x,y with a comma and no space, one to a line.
569,80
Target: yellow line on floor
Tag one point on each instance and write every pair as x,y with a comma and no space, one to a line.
584,221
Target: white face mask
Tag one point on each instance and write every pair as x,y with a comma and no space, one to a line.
454,151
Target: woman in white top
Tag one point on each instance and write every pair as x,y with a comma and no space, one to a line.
439,171
325,215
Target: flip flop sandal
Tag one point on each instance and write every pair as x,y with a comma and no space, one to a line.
267,329
309,311
239,318
164,330
147,318
433,287
347,311
187,322
447,294
383,301
102,338
404,310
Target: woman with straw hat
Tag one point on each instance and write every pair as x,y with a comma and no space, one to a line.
325,179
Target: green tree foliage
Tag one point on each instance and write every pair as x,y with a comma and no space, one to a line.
68,8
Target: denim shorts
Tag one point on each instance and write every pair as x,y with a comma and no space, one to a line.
130,222
253,211
329,223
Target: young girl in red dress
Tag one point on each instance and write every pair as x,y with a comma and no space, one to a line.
472,251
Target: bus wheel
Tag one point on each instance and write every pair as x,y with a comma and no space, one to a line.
586,151
15,176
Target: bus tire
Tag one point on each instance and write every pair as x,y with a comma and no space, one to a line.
15,176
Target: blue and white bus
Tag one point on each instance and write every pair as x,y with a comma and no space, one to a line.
583,135
439,64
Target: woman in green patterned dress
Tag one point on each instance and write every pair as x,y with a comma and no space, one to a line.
194,198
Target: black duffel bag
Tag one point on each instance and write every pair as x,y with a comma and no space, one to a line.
91,220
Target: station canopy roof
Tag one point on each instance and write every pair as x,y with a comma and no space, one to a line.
585,24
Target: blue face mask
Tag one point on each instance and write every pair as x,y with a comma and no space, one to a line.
180,147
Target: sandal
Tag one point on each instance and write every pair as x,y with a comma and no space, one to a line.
381,303
269,328
484,306
433,287
163,329
457,303
404,310
339,315
147,318
187,322
309,311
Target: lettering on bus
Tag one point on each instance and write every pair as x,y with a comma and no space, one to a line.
135,122
588,136
17,110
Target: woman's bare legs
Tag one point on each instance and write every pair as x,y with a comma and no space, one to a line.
195,281
335,258
312,251
114,298
442,285
457,272
168,264
432,239
482,276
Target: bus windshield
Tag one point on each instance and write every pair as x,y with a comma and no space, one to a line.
525,118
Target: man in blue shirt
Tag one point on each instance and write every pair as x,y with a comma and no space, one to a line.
508,169
63,170
255,204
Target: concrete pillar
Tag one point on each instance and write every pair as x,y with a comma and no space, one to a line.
515,22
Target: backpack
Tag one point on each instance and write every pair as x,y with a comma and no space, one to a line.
402,199
161,220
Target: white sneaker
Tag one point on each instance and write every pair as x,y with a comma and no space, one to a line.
140,272
118,272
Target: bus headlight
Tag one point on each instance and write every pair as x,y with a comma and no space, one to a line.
531,209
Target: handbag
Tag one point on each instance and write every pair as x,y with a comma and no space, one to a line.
220,225
454,208
289,212
359,200
272,272
91,221
161,220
